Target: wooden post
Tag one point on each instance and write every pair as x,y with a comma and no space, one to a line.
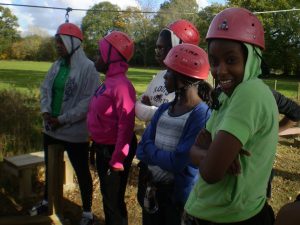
298,92
275,85
25,183
69,173
55,178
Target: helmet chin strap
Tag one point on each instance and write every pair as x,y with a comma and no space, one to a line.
113,61
72,47
185,87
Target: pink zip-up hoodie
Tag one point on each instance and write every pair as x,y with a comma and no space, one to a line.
111,115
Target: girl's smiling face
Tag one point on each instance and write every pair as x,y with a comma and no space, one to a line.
227,61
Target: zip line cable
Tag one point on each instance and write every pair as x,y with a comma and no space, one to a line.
277,11
68,9
96,10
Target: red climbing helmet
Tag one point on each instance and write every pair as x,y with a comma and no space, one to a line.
237,24
122,42
70,29
189,60
186,31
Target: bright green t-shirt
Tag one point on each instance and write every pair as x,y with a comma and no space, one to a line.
58,88
251,115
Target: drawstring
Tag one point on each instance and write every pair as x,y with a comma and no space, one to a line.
264,66
108,56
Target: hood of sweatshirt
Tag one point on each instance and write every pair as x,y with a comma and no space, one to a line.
117,63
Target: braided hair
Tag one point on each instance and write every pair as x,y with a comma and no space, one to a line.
204,89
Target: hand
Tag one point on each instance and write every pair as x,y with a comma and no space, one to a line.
46,116
146,100
203,139
54,123
235,167
197,155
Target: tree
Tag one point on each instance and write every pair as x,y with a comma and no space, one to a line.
96,24
176,9
205,16
282,32
47,50
138,25
8,31
27,48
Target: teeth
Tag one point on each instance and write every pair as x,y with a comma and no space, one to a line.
225,81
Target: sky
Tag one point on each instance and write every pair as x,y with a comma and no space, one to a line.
47,20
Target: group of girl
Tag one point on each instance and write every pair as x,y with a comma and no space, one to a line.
203,159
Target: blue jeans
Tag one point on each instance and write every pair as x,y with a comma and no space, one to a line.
169,212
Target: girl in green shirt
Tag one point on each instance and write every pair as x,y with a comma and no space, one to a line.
246,122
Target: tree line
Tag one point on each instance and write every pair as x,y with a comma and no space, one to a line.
282,30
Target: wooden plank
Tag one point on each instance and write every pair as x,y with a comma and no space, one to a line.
23,161
28,220
22,166
290,131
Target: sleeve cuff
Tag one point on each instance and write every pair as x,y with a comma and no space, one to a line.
116,165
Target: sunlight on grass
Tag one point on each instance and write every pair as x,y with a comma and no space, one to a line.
24,75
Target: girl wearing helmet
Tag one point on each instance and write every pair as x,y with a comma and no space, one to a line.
65,94
243,129
166,142
110,122
180,31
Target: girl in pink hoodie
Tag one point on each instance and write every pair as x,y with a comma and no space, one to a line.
110,122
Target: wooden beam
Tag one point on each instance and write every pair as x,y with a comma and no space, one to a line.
30,220
290,131
55,178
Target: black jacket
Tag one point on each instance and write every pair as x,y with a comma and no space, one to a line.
287,107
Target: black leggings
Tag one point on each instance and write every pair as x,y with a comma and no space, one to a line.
113,183
78,155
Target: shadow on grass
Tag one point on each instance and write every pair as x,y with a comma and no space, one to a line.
32,79
287,175
287,142
22,78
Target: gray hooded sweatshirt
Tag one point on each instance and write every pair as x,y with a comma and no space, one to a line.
80,85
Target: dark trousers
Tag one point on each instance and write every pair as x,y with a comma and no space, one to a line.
169,212
264,217
113,184
78,154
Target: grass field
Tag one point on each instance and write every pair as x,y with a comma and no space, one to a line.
21,123
27,76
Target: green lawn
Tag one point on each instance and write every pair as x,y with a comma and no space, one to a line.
287,87
27,76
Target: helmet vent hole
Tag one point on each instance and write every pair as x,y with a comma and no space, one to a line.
253,24
195,64
176,56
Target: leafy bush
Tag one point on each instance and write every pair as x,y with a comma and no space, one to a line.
20,130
